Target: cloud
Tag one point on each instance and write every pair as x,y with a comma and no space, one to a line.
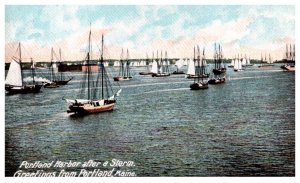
146,29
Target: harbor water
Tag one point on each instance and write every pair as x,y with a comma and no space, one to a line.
245,127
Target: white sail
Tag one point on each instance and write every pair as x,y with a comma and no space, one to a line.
236,64
55,68
232,62
14,75
204,63
116,63
240,65
191,67
154,67
244,61
179,63
248,61
185,62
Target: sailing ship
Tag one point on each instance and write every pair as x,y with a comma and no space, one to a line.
218,57
14,82
219,70
237,65
290,59
94,100
266,63
199,82
59,79
232,62
148,72
160,69
179,63
124,71
196,64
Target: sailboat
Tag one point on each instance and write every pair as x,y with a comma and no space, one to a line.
219,70
199,83
14,82
148,72
60,79
232,62
237,65
94,100
179,63
57,77
290,58
218,57
196,65
52,70
162,67
124,72
269,63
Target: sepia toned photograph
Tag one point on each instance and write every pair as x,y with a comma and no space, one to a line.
149,90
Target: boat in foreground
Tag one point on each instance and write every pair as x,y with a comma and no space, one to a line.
97,100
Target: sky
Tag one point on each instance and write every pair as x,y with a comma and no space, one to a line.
241,30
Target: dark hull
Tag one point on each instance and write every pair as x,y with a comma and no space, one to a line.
145,73
161,75
199,86
62,82
121,78
198,76
217,81
219,71
179,72
51,85
265,66
23,90
287,67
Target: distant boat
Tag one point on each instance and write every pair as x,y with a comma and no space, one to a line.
161,69
248,62
124,72
266,63
57,78
14,82
195,65
290,58
199,83
217,80
219,65
179,63
288,67
148,72
94,101
232,63
237,65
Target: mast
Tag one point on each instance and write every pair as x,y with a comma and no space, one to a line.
127,64
51,65
166,62
161,62
291,56
215,56
294,53
60,63
88,65
32,71
20,62
198,62
219,58
195,61
121,72
102,67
